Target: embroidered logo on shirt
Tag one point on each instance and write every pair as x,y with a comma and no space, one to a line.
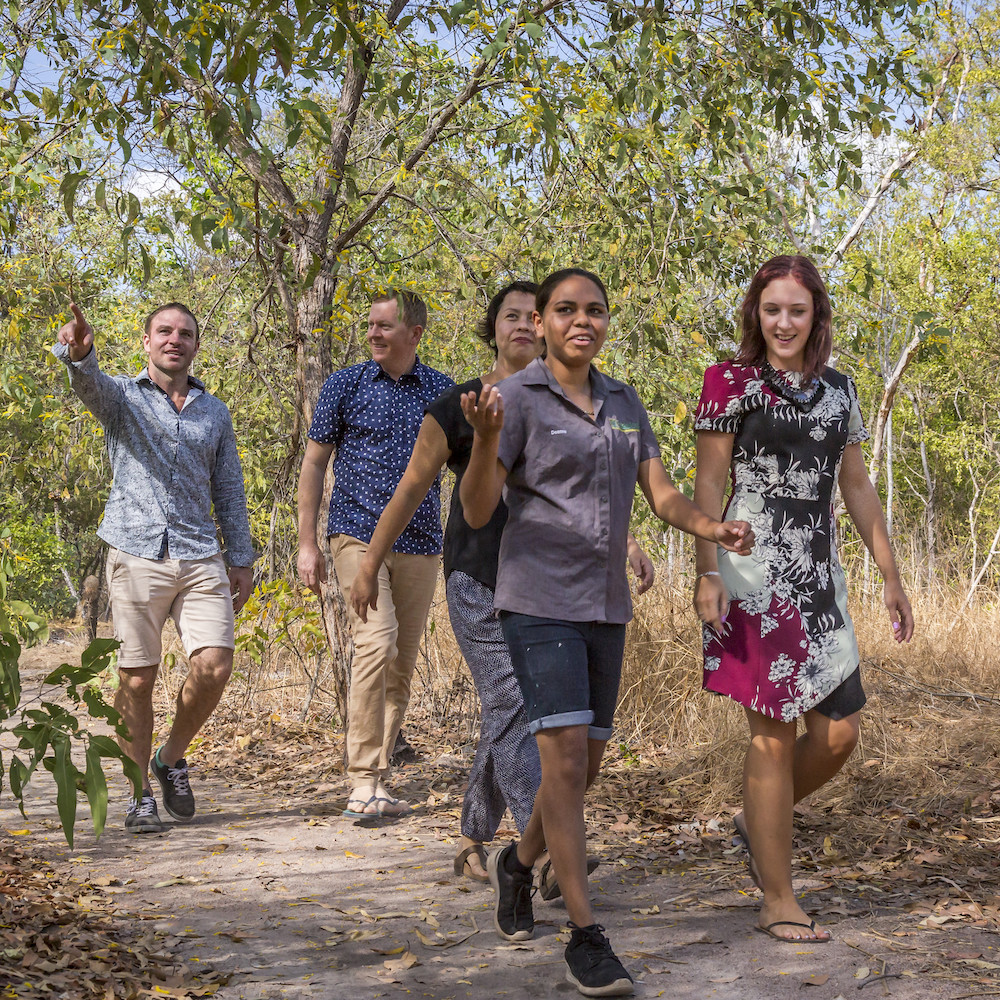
616,425
559,432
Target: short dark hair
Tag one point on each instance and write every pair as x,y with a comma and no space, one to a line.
548,286
819,346
180,307
487,329
412,306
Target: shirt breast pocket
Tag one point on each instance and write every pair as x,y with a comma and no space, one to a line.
623,444
556,457
201,439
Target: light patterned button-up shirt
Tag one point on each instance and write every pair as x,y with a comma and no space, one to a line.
170,467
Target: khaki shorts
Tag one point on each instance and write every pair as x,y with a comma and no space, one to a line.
144,592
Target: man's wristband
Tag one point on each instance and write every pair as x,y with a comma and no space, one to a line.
710,572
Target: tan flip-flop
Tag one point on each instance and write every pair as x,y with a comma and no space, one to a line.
548,885
462,866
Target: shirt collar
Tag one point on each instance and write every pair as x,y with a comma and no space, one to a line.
417,372
539,373
144,376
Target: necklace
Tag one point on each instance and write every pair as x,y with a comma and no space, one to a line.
791,387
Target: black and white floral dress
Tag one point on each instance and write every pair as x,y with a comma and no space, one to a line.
788,641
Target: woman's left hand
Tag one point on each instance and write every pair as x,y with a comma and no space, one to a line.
900,613
736,536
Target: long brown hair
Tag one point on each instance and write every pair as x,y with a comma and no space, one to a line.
752,349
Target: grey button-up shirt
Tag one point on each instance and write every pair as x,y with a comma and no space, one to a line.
570,485
170,466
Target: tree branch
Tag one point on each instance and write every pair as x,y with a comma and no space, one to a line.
898,167
432,132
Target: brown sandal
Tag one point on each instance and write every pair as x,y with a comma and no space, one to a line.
462,866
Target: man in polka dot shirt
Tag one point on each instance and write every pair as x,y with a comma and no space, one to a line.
367,417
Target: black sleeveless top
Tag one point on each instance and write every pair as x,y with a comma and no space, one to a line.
473,551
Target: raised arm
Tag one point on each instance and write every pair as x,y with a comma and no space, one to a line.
77,335
430,452
865,508
311,560
101,394
482,484
715,452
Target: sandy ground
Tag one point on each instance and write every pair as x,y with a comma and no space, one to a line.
288,899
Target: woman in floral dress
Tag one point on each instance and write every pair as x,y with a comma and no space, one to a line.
781,429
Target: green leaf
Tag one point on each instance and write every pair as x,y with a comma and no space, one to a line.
65,773
97,789
67,191
17,778
94,659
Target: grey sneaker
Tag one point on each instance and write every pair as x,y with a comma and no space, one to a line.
178,799
141,816
512,913
592,967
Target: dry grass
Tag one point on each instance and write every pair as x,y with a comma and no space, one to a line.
930,732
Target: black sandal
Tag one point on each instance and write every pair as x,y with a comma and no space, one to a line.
462,866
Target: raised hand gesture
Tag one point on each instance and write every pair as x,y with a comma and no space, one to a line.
77,335
486,413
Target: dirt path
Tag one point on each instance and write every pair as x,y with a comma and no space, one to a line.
283,898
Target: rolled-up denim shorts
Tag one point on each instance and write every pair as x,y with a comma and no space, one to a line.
568,671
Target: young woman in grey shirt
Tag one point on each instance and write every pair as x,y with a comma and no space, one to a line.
566,445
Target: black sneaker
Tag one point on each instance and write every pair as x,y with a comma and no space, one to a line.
178,799
593,968
512,911
141,816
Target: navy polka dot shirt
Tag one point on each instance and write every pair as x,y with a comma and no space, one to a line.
372,422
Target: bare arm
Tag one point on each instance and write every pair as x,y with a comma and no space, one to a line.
865,508
641,565
670,505
482,484
311,560
715,453
430,452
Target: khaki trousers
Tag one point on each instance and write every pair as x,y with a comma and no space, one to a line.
385,652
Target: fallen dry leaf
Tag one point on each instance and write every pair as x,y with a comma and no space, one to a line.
406,961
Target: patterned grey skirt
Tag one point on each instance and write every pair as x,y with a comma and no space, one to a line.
506,770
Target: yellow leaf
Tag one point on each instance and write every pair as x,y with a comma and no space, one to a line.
680,411
697,337
351,854
19,833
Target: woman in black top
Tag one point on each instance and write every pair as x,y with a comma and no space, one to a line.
506,771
